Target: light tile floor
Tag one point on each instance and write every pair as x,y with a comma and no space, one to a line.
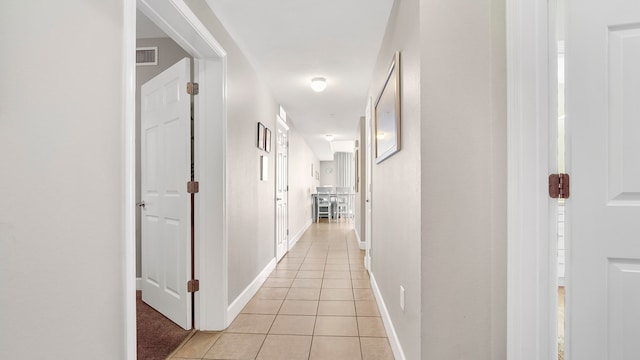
316,305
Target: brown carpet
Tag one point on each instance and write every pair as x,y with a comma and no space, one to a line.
157,335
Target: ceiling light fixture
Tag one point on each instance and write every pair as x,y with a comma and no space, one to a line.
318,84
329,137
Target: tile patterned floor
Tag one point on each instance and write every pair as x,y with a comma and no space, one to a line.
316,305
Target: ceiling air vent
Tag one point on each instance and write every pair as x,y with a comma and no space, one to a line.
147,56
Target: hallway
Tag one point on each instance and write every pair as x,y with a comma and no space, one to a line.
317,304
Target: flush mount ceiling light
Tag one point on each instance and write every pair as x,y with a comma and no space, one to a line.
329,137
318,84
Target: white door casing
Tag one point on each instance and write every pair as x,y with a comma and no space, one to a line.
166,168
602,56
368,192
282,186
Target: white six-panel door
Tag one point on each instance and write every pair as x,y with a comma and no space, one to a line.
282,185
166,168
603,123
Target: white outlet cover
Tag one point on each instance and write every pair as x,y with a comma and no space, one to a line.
402,297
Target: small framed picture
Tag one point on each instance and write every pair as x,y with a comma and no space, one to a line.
261,132
267,139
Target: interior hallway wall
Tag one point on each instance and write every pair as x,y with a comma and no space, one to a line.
463,104
301,183
396,183
61,188
250,202
169,53
328,173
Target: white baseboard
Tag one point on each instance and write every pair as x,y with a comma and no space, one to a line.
138,284
241,301
294,239
361,244
386,320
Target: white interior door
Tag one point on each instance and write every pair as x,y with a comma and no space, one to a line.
166,168
367,166
282,188
603,122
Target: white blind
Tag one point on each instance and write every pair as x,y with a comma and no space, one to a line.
345,169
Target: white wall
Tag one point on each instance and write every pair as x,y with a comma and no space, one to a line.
328,173
169,53
61,156
463,104
301,183
250,202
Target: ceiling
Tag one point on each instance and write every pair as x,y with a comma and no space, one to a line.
291,41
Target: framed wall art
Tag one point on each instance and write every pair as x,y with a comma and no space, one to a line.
387,113
267,140
260,136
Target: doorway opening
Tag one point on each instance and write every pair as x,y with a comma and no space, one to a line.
165,212
179,22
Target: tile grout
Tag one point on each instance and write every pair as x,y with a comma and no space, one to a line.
317,249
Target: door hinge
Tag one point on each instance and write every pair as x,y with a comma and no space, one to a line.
193,88
559,186
193,285
193,187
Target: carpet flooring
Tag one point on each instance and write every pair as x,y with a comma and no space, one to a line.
157,336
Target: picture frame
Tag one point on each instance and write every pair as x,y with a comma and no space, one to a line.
264,168
387,114
267,139
261,134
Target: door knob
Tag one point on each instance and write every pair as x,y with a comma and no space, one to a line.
141,204
278,199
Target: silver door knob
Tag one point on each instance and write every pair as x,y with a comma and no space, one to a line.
141,204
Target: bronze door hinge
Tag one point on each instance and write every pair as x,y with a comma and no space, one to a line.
193,285
193,88
193,187
559,186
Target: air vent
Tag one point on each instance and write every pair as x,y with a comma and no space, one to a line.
147,56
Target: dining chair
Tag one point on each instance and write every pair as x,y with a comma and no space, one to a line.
324,202
343,202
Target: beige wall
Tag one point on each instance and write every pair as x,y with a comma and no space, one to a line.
61,150
169,53
396,203
463,104
447,246
250,202
301,183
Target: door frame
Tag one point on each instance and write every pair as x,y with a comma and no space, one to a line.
177,20
532,139
368,190
280,123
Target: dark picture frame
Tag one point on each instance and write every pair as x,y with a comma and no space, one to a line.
267,140
387,114
261,134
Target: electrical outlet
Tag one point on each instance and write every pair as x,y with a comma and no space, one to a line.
402,297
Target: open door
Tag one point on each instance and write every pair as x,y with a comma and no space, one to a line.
282,188
602,55
166,207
